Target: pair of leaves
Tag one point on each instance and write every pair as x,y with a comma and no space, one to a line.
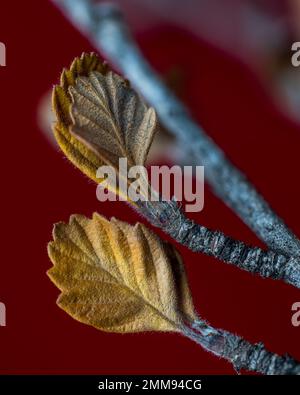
113,276
117,277
100,118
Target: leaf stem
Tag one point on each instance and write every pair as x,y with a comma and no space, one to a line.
107,30
238,351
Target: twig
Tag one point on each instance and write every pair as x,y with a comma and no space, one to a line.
168,216
238,351
106,28
109,33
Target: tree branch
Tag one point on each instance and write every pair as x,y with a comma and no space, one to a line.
238,351
107,30
168,216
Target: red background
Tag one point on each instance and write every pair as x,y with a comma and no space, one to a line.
39,188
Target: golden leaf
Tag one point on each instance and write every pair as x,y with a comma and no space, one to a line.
117,277
111,119
79,154
101,119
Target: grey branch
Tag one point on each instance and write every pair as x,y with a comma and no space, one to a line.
168,216
107,30
241,353
104,24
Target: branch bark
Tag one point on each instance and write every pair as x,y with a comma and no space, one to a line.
168,216
241,353
107,30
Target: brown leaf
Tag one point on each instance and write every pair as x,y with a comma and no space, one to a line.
79,154
117,277
101,119
110,118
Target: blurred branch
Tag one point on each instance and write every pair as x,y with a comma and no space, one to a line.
104,24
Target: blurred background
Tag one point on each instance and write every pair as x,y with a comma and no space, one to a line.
230,62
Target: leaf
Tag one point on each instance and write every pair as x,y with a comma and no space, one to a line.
117,277
79,154
110,118
101,119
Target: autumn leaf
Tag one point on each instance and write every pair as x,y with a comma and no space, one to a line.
78,153
101,119
110,118
117,277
